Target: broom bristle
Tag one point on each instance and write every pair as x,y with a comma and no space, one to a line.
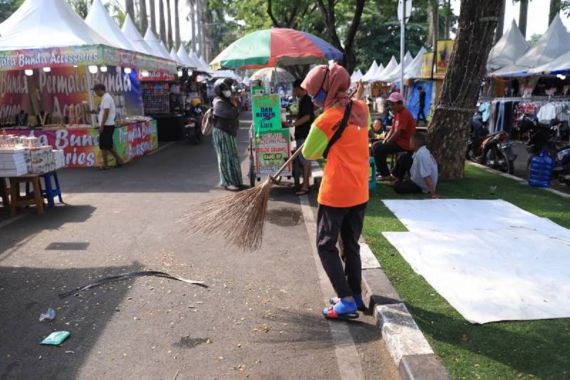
238,218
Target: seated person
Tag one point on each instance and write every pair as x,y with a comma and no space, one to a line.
422,168
376,130
398,138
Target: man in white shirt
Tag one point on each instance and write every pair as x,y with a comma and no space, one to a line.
107,114
422,167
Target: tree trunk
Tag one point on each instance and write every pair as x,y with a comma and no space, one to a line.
144,16
433,26
448,129
177,24
448,15
523,15
152,16
170,25
554,10
130,7
500,21
193,19
206,27
162,21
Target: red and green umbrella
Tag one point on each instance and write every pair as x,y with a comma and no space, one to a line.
276,47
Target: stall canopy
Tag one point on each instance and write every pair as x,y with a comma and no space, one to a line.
175,57
389,67
205,65
99,19
48,33
356,76
414,69
560,65
130,31
219,74
185,59
155,44
394,75
554,43
371,71
508,49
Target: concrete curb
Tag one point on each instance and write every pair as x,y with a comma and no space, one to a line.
517,179
408,347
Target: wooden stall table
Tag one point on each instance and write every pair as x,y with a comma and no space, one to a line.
19,201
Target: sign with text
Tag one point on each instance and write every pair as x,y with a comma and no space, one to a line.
272,150
266,113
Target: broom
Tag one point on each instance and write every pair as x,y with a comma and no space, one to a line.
238,218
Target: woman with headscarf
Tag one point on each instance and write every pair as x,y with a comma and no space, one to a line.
226,125
343,194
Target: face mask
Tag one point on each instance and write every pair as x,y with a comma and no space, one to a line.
319,99
227,94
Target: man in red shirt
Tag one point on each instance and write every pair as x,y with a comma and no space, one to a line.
398,139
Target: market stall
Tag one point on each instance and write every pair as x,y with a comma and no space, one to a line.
47,72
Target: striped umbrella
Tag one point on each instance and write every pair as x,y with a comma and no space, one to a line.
276,47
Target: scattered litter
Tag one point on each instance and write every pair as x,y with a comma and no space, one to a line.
48,316
70,352
126,276
56,338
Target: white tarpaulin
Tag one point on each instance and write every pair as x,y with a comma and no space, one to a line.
100,20
414,69
370,72
389,67
130,31
508,49
489,259
155,44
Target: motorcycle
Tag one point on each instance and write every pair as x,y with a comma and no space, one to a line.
494,150
552,138
193,125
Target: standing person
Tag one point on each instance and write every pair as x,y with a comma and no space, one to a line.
422,167
107,113
302,125
398,138
422,105
226,125
343,194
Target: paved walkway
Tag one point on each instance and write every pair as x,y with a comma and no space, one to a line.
259,319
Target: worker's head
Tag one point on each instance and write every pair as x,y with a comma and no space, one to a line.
99,89
222,89
327,85
418,140
396,101
298,89
420,88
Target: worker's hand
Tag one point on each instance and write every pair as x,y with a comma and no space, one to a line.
359,94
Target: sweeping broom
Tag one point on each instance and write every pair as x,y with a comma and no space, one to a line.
238,218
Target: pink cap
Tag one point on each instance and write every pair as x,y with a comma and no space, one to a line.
395,97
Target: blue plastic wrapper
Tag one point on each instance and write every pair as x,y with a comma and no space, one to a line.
56,338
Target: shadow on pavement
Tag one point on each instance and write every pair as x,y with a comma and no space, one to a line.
25,293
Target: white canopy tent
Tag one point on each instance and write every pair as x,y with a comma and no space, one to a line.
414,69
389,67
137,41
394,75
356,76
371,71
508,49
99,19
40,24
560,65
205,65
185,59
554,43
155,44
175,57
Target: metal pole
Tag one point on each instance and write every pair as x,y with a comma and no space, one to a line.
402,45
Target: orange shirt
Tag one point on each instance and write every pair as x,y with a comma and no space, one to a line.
404,121
345,177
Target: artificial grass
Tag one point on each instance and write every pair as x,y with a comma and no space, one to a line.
505,350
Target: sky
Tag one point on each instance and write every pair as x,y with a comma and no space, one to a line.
537,20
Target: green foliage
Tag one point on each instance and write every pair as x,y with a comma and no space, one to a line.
81,7
7,7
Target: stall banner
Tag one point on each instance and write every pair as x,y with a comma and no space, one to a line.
427,66
81,145
266,113
125,89
13,95
157,76
444,50
272,150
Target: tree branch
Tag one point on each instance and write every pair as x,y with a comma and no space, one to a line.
354,26
275,22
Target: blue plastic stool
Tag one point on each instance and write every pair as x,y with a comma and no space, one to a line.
49,192
372,175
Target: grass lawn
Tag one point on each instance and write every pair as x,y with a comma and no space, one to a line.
505,350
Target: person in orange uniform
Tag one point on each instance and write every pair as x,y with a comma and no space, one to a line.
398,139
343,194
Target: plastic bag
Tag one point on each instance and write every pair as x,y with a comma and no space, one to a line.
48,316
56,338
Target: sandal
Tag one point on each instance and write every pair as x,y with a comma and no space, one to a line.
232,188
357,299
302,192
341,310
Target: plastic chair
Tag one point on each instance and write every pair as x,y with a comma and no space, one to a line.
51,189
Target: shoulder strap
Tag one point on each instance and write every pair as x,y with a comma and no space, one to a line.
340,129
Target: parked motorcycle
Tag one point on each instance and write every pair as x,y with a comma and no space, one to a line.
494,150
193,126
551,138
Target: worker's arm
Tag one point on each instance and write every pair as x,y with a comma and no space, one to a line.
431,187
104,118
315,144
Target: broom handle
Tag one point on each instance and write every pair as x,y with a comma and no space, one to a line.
293,156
